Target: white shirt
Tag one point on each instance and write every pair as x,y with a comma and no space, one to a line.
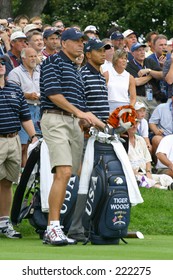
166,147
118,86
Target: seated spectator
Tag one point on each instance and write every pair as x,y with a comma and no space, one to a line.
143,128
164,155
160,124
140,160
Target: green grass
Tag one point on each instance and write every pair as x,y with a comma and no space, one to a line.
154,218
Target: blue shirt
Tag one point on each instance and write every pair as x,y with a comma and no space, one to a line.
13,109
96,93
59,75
162,116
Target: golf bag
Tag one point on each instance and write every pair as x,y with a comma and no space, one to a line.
107,211
27,199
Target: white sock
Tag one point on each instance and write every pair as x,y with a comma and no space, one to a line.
54,223
3,221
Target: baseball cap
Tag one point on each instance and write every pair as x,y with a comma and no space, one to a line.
91,28
128,32
30,27
95,44
17,35
49,32
116,35
73,34
137,46
139,105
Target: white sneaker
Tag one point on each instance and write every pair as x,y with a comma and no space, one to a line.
57,237
10,232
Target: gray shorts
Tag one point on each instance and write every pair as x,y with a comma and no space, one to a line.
64,139
10,158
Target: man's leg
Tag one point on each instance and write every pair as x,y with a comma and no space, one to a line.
6,227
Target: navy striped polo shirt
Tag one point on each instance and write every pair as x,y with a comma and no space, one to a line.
96,93
59,75
13,109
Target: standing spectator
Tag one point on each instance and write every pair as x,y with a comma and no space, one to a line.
109,55
21,21
37,21
91,31
59,25
121,85
35,41
147,73
27,76
130,38
52,42
63,104
149,41
160,49
97,102
18,41
117,39
168,75
14,112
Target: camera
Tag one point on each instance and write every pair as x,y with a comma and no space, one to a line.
164,52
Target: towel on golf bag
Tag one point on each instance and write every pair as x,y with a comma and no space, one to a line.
39,207
107,211
88,164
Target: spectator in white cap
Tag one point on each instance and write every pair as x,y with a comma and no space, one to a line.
130,38
30,27
18,41
143,127
91,31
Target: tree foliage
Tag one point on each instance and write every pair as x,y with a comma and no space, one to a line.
141,16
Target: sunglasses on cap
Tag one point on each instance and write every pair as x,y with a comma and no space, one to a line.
2,62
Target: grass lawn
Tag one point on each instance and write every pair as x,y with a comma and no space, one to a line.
152,247
154,218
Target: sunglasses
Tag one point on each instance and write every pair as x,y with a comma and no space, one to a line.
2,62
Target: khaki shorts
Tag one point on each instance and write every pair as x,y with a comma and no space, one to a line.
64,139
10,158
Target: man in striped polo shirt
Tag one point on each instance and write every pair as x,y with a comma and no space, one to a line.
63,104
96,95
13,111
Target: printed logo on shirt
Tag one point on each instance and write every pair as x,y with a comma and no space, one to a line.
13,94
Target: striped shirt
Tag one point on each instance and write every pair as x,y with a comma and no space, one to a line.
96,93
13,109
59,75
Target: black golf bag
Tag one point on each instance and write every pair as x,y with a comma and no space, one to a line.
107,211
27,199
